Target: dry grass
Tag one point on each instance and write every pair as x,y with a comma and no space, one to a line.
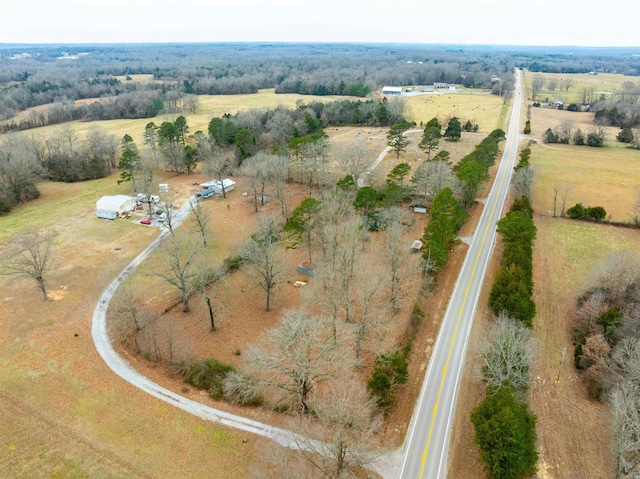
481,108
606,177
603,82
574,433
63,413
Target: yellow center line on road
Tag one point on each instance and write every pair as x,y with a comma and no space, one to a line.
455,331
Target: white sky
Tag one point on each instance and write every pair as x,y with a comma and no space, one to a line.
513,22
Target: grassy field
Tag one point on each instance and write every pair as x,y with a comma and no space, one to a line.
63,413
606,177
209,106
481,108
564,253
605,83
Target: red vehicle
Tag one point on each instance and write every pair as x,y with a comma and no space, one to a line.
145,222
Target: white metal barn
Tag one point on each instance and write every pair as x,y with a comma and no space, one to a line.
110,207
217,185
391,90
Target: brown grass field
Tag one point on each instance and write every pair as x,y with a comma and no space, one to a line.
481,108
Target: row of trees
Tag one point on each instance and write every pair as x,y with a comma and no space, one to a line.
504,426
512,290
564,133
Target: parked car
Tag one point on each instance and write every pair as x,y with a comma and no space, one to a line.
145,222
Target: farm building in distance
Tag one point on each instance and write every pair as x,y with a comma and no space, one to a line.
391,90
218,185
110,207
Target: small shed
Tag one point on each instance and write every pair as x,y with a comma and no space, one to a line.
416,246
218,185
110,207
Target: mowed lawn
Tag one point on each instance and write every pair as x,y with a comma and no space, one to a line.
607,177
63,412
481,108
602,83
210,106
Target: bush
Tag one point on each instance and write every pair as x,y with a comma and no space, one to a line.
572,107
580,212
232,263
505,431
595,140
549,136
390,369
527,127
206,374
625,135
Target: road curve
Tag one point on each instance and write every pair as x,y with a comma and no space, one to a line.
427,443
123,369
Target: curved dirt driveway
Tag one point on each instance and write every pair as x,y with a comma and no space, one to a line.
123,369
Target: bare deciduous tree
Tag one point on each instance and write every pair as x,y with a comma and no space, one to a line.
29,256
343,438
295,357
537,83
625,403
263,256
179,256
506,355
354,161
200,217
433,176
397,222
207,281
565,129
522,180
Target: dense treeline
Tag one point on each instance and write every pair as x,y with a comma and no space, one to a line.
512,291
50,74
504,426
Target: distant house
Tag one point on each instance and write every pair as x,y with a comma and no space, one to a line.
440,85
391,90
219,185
427,89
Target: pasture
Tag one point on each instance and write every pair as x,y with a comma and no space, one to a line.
63,413
602,84
606,177
481,108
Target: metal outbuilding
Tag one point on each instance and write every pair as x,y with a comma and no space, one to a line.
110,207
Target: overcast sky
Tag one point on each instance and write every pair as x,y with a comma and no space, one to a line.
513,22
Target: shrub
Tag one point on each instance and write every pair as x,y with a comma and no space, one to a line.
625,135
206,374
390,369
572,107
527,127
232,263
549,136
505,431
593,139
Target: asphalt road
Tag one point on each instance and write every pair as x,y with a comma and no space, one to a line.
427,443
